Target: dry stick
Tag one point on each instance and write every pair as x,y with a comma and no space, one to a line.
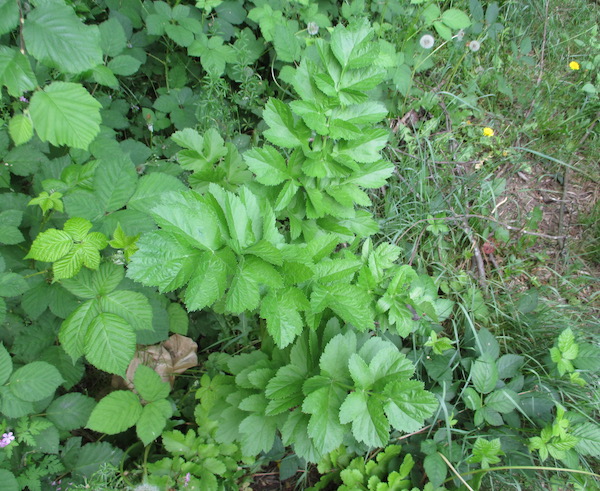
561,215
476,251
455,471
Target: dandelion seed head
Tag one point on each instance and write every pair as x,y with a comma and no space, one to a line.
427,41
312,28
474,45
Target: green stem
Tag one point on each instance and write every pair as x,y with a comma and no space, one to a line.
525,467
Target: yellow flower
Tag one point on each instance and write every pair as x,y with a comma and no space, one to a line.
488,131
574,65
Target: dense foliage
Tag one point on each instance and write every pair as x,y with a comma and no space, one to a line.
210,175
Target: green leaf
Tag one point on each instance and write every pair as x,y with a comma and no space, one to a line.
588,435
268,165
20,129
15,72
208,281
110,343
149,384
487,452
150,187
436,469
114,182
408,405
367,148
243,293
456,19
508,365
124,65
7,478
280,310
115,413
163,260
285,42
153,420
484,373
64,113
9,16
55,36
283,131
369,424
92,456
323,404
74,328
70,411
351,45
112,37
35,381
350,302
213,53
12,285
50,245
567,345
6,365
133,307
502,400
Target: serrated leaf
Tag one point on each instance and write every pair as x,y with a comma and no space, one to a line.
588,435
112,37
484,373
285,42
15,72
6,365
20,129
124,65
51,245
280,310
207,283
436,469
456,19
110,343
12,285
254,442
351,45
92,456
369,424
153,420
408,405
149,384
508,365
9,16
283,131
70,411
64,113
567,345
35,381
163,260
150,187
133,307
350,302
243,292
115,413
75,326
55,36
268,165
115,182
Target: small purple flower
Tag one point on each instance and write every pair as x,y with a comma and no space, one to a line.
7,438
23,99
188,476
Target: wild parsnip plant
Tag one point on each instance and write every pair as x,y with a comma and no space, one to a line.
311,194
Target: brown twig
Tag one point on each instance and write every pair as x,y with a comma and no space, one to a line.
476,251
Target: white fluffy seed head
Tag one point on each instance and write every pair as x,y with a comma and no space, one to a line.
474,45
427,41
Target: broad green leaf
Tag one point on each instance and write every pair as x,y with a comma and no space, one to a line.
588,435
115,413
190,216
163,260
285,42
55,36
508,365
15,72
6,365
365,113
254,442
13,407
64,113
588,357
112,37
350,302
285,389
208,282
149,189
50,246
149,384
567,345
436,469
502,400
351,45
336,357
7,478
12,285
487,452
484,373
124,65
90,284
70,411
74,328
283,130
456,19
92,456
243,293
35,381
369,424
178,319
153,420
20,129
280,310
133,307
9,16
323,404
213,53
114,182
110,343
488,343
365,149
408,405
268,165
